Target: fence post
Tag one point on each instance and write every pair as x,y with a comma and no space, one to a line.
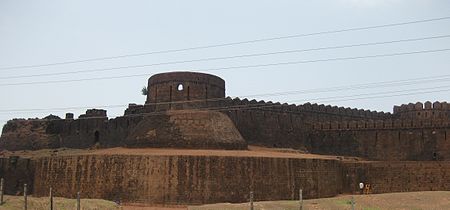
353,203
78,201
25,205
2,182
51,199
251,200
300,194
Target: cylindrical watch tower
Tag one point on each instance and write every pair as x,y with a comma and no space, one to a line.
182,90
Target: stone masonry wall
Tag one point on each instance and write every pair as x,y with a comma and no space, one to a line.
383,140
282,125
17,172
397,176
436,110
175,129
212,179
186,179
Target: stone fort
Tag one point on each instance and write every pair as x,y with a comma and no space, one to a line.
190,144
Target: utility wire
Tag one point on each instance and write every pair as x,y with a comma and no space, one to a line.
235,67
388,96
233,57
315,99
330,59
351,97
229,44
382,84
256,106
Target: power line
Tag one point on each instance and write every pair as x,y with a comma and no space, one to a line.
229,44
366,96
330,59
64,108
232,57
380,93
382,84
236,67
388,96
330,89
258,106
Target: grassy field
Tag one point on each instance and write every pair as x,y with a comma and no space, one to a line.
389,201
17,202
405,201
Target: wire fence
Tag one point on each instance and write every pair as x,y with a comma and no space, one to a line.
296,202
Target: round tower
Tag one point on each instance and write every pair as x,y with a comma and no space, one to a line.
181,90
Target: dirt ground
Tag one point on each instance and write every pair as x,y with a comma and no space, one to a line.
33,203
253,151
437,200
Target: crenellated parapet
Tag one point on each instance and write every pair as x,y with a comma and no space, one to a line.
427,110
190,110
320,111
381,124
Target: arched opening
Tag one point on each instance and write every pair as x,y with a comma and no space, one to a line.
96,137
180,87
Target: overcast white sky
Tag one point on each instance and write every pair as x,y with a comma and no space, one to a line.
39,32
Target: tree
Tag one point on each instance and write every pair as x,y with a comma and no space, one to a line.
144,91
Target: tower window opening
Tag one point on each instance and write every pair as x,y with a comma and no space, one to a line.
180,87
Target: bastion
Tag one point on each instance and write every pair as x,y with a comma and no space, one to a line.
189,143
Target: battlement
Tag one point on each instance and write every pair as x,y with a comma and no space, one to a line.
422,106
380,124
428,110
304,108
188,109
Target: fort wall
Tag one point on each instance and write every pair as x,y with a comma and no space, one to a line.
214,179
428,110
315,128
186,179
16,172
397,176
383,140
284,125
175,129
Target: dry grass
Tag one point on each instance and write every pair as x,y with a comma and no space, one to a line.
17,202
390,201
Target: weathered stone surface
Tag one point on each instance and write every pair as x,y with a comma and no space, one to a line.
178,129
397,176
414,132
185,179
17,171
193,90
198,116
186,129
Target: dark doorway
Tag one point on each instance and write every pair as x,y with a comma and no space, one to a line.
97,137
